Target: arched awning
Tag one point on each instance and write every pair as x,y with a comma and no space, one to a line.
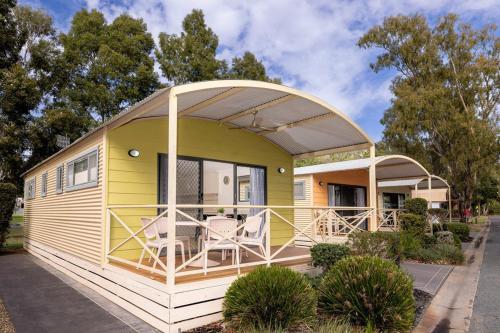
388,167
300,123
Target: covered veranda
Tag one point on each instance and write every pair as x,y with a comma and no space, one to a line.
297,124
398,177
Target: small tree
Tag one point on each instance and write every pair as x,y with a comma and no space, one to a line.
7,202
416,206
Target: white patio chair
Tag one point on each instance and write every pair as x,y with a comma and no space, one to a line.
163,229
155,242
225,228
252,235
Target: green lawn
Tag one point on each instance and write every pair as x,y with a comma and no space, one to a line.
15,236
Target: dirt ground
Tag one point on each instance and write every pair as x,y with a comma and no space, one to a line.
5,323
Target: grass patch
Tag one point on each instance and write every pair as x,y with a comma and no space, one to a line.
17,219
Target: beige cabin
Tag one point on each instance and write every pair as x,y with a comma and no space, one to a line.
160,208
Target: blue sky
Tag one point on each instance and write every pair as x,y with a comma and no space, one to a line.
311,45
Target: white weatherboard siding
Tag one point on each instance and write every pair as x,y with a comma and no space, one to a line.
70,221
303,217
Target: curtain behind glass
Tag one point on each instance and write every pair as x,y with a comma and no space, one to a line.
257,193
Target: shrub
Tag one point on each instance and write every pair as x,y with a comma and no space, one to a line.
440,253
380,244
457,242
428,240
7,203
326,255
445,237
462,230
269,298
450,253
410,245
416,206
368,291
412,223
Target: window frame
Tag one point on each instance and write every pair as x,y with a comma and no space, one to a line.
44,184
60,179
89,183
32,195
303,195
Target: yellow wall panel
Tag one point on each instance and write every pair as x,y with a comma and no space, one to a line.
134,180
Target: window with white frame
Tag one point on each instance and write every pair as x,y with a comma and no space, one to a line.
29,188
43,188
299,190
82,172
59,179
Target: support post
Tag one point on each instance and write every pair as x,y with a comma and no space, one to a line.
429,191
373,190
449,203
416,190
172,189
268,236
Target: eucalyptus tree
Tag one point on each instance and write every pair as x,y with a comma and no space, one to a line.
446,92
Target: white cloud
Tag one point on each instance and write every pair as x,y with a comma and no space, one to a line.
310,44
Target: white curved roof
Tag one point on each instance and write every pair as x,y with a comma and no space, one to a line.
301,124
387,167
298,122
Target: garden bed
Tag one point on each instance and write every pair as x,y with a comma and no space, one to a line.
422,301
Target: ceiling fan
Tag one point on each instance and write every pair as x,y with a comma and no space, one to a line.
255,125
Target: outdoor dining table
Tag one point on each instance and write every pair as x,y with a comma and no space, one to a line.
203,224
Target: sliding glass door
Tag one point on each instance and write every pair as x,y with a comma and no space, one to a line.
347,196
214,183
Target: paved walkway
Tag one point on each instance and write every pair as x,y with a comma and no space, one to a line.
451,308
428,277
39,301
486,311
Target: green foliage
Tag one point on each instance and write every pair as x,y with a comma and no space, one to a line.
109,66
368,291
410,245
446,92
417,206
326,255
191,56
269,298
428,240
381,244
7,202
445,237
462,230
441,254
10,39
412,223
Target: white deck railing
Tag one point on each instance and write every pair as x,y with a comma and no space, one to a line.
388,219
326,222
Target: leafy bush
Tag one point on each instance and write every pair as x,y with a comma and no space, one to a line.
445,237
457,242
368,291
440,253
326,255
412,223
416,206
462,230
428,240
380,244
7,203
410,245
269,298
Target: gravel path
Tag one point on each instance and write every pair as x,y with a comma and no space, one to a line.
5,323
485,314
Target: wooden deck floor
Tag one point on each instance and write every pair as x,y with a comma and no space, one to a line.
215,255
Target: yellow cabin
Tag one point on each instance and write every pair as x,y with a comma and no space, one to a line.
161,207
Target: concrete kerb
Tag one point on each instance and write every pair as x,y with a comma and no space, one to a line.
451,308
